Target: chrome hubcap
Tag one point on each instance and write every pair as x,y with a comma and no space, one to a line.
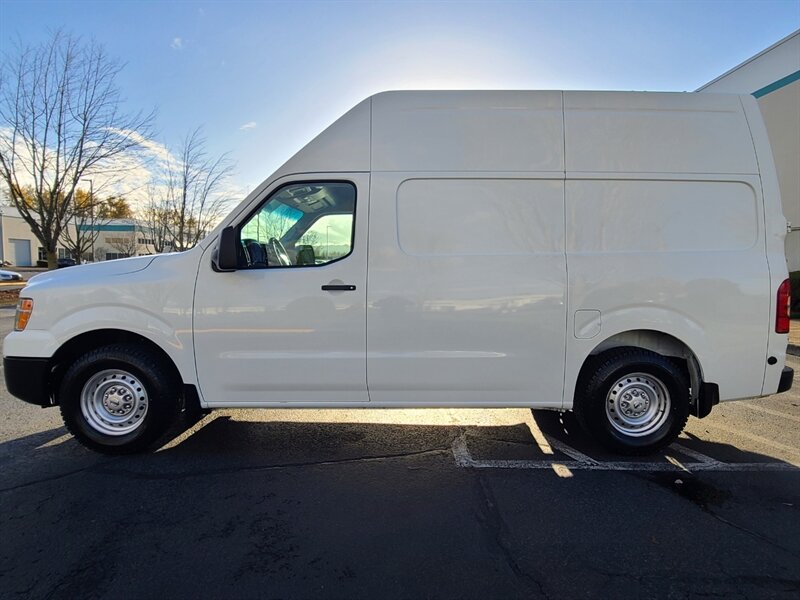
638,404
114,402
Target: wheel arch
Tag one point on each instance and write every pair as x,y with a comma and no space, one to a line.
89,340
654,340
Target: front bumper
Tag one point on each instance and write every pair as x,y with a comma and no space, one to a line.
787,376
28,379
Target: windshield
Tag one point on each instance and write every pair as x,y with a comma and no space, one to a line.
273,221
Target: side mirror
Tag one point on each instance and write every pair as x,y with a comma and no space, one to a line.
227,246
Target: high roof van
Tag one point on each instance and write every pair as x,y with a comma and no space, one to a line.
617,254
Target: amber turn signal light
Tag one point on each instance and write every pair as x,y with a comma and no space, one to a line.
24,310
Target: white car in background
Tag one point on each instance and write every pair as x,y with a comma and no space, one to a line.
9,276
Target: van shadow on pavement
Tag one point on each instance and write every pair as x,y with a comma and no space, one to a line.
236,508
219,441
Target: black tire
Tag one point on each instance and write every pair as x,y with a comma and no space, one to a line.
159,384
594,391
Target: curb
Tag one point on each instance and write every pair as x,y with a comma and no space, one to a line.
793,350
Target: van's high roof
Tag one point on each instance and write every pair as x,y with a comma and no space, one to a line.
535,132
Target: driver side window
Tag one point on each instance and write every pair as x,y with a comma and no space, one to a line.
300,225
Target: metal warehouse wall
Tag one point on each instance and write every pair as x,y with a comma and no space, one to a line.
773,77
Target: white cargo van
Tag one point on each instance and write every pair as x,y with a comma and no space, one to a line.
617,254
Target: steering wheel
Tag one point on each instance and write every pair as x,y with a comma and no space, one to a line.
280,252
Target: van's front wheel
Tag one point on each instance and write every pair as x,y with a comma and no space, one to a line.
118,399
633,401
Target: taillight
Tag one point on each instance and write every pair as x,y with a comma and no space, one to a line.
782,314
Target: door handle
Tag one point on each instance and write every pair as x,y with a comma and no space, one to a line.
338,288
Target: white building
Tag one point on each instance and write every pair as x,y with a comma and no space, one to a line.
116,238
773,77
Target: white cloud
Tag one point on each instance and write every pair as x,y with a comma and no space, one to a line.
155,149
177,43
125,174
132,175
248,125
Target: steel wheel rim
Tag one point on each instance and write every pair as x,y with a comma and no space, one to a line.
638,404
114,402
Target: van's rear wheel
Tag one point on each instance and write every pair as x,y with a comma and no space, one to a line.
118,399
633,401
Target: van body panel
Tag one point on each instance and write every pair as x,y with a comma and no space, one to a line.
775,229
467,284
715,334
343,147
675,255
501,238
476,131
608,216
149,295
31,343
267,336
633,132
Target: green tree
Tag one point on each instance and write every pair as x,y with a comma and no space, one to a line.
116,207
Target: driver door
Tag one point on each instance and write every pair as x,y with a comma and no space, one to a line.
289,325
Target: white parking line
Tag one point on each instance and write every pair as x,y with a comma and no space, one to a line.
540,438
546,444
698,456
572,453
461,452
464,459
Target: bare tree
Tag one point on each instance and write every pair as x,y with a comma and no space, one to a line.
125,243
60,120
310,238
155,217
100,253
194,191
81,237
266,225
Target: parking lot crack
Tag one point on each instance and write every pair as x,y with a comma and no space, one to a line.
56,476
254,468
103,468
492,520
704,496
751,533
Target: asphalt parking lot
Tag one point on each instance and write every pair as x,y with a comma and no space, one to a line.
402,504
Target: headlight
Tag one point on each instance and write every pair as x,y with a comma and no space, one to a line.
24,310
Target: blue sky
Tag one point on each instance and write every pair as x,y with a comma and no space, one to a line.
263,78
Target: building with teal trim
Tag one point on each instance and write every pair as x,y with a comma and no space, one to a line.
773,77
116,238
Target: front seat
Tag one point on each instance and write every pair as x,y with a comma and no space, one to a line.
305,255
256,256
